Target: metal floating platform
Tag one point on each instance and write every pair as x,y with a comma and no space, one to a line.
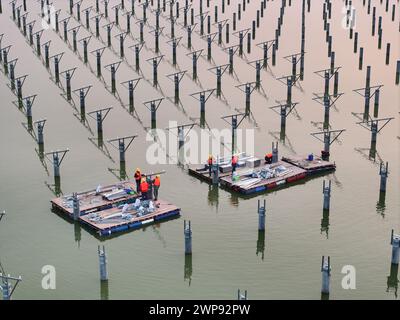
283,173
314,166
92,201
110,221
296,168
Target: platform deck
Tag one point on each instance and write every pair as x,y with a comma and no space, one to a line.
317,165
90,201
196,171
164,210
293,174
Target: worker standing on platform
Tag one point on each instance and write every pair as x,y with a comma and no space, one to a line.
138,178
210,162
144,189
234,163
156,186
150,190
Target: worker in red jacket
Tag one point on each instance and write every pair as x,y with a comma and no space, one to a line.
144,189
210,162
234,163
156,186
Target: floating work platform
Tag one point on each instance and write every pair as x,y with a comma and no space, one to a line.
224,165
253,175
98,199
313,165
129,216
263,178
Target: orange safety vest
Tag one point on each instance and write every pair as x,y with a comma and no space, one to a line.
138,175
144,187
156,182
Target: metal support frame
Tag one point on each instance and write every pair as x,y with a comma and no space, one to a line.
153,106
176,78
113,67
219,72
131,86
235,123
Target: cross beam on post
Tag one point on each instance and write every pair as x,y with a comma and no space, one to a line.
82,94
4,55
131,86
65,22
109,27
99,116
329,137
203,97
5,286
202,16
327,101
174,44
327,75
195,57
20,83
181,132
38,35
121,36
294,60
373,126
98,53
57,59
248,88
266,45
97,19
153,106
28,104
284,110
232,50
368,93
141,27
136,49
122,147
190,30
56,158
234,125
219,71
155,62
210,39
12,64
68,74
87,12
85,42
176,78
241,34
113,67
220,25
46,47
157,32
257,64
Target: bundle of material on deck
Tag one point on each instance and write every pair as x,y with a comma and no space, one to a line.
97,199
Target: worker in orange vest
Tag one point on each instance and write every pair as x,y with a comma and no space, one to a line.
138,178
234,163
156,186
144,189
210,162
